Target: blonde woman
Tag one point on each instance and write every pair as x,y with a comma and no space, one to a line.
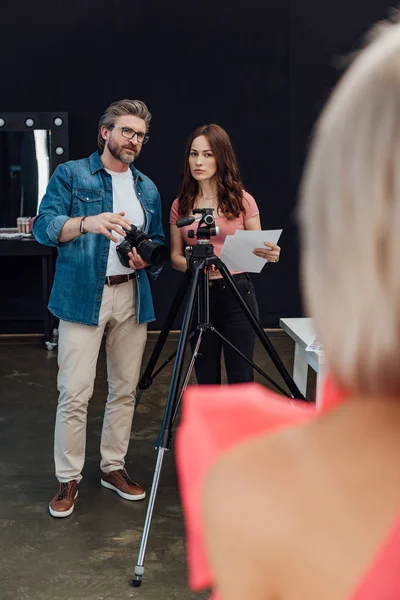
317,513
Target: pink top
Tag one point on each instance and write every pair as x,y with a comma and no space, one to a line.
382,581
226,226
217,418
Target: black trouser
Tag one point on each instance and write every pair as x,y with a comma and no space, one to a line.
229,318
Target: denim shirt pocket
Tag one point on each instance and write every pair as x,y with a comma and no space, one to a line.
86,202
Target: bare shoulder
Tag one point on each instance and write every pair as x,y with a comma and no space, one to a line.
245,514
259,470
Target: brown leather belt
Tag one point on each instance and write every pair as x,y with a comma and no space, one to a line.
117,279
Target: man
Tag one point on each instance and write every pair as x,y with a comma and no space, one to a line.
87,205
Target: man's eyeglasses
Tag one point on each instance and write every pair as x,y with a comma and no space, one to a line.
129,134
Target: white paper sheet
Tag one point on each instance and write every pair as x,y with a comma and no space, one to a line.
315,345
237,251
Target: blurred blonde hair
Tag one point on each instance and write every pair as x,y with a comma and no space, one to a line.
350,220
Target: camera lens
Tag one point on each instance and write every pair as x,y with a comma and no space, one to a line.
152,253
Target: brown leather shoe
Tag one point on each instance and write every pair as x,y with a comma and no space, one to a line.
120,482
62,505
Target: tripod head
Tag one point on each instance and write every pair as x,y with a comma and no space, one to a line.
206,227
203,249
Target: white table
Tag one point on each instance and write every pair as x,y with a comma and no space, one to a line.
302,332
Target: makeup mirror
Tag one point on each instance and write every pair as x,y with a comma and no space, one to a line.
32,145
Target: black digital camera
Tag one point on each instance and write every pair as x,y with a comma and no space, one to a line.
154,254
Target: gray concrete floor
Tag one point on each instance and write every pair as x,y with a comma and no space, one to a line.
91,554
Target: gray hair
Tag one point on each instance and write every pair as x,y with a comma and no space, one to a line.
135,108
350,221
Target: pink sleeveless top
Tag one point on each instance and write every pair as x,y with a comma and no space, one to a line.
226,226
381,581
217,418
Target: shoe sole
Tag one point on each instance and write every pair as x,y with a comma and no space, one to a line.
65,513
123,495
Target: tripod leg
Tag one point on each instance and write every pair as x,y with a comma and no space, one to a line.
139,569
164,439
294,390
165,434
147,377
160,368
250,362
188,372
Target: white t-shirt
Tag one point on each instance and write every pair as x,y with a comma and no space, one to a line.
124,199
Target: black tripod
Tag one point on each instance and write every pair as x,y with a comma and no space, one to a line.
200,258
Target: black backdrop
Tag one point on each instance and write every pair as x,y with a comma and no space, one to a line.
261,69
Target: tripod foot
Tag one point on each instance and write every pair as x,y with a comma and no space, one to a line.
137,581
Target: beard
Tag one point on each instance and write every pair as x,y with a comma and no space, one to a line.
122,153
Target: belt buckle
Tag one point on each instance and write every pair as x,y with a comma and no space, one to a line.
108,280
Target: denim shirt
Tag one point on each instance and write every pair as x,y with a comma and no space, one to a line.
76,189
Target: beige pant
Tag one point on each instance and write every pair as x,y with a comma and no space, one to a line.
78,352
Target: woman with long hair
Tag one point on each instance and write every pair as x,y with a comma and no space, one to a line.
211,179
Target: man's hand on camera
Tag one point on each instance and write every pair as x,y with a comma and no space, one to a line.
135,261
105,223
